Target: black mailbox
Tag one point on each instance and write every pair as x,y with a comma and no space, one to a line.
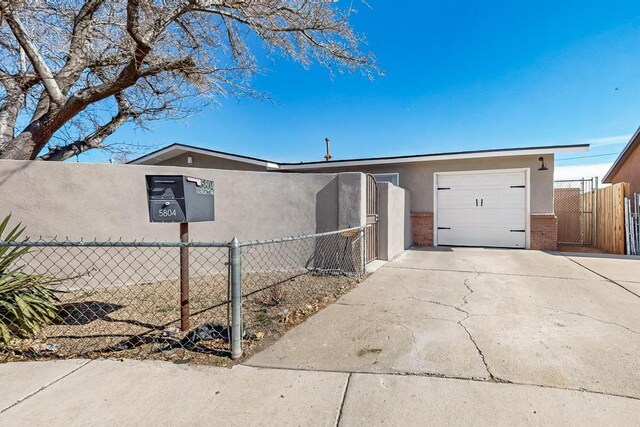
178,198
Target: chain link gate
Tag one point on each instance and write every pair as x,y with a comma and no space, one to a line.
575,202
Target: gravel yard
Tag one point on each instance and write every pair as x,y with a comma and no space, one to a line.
142,320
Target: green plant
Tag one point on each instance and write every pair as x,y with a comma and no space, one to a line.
25,303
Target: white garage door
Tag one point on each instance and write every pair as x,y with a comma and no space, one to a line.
482,209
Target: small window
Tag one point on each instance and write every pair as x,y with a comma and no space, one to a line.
393,178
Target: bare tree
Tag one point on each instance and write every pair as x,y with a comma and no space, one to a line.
73,71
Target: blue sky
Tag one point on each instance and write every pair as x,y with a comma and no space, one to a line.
459,75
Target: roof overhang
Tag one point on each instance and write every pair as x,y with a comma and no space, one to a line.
509,152
633,143
178,149
175,150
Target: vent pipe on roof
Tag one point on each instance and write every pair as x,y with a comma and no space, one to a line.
328,155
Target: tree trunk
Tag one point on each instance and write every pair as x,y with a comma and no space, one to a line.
20,148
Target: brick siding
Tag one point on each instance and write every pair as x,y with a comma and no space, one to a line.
544,232
422,228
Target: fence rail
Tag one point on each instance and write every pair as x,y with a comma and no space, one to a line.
125,298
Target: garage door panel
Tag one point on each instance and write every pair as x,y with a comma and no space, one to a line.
507,198
488,198
488,236
479,217
480,181
458,199
482,209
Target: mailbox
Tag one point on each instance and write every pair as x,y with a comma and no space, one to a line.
178,198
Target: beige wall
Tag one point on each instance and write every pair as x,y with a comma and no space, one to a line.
78,200
418,177
630,172
207,162
394,226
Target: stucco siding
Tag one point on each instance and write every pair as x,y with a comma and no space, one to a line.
79,200
418,177
208,162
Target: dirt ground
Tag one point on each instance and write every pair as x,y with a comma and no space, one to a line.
141,321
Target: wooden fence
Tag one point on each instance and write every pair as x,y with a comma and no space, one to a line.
610,234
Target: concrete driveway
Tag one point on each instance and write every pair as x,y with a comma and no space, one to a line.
450,337
502,316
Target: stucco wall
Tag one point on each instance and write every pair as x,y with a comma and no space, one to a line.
202,161
630,172
77,200
418,177
394,225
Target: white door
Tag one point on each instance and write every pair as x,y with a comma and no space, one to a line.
482,209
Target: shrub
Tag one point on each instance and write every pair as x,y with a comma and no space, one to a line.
25,302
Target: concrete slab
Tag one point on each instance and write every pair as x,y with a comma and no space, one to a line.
498,261
560,350
416,401
398,336
614,267
374,266
133,393
576,333
632,286
20,380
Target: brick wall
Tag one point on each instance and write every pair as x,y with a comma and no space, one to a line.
544,232
422,228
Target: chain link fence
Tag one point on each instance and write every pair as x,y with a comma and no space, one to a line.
575,208
127,299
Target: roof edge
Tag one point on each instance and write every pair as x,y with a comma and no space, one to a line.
200,150
622,157
272,165
495,152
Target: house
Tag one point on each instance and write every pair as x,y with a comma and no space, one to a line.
487,198
626,168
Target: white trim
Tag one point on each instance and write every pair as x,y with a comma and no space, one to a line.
527,175
438,157
175,150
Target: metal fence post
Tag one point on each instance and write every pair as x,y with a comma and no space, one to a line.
235,261
363,243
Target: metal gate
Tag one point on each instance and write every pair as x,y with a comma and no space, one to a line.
575,207
371,232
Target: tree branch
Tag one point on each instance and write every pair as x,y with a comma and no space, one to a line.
95,139
32,53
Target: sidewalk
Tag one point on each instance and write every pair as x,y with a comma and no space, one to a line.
110,392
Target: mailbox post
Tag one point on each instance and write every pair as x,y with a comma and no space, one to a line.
181,199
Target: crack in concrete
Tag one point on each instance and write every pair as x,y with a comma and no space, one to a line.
601,275
413,336
369,304
466,283
344,399
495,273
448,377
465,302
413,297
592,318
19,401
484,361
459,308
